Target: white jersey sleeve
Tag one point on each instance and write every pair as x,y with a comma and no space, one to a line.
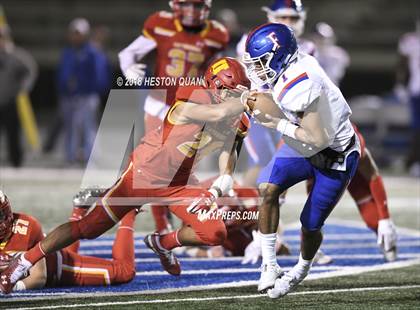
296,91
133,53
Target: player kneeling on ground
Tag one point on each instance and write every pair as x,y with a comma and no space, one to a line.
320,144
19,232
202,120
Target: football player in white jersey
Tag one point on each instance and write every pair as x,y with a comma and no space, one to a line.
320,144
409,71
367,189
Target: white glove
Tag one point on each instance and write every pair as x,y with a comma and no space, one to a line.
253,250
387,234
135,72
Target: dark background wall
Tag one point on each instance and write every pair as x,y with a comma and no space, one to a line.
368,29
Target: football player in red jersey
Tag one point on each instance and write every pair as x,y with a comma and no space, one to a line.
185,41
201,120
20,232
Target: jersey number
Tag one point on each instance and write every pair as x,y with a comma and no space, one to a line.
21,227
179,59
202,143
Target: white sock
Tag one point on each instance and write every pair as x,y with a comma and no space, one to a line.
268,248
303,265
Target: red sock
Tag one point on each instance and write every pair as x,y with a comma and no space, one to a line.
160,215
369,213
34,254
123,248
377,189
170,241
128,219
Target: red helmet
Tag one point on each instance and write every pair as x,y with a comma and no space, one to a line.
6,217
191,13
226,74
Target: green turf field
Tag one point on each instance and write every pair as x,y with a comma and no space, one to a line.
47,195
392,289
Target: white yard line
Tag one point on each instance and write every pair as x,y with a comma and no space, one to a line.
234,270
281,258
253,296
332,245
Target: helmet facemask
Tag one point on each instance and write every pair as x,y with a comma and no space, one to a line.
259,70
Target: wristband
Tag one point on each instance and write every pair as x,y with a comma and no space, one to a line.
216,192
287,128
19,286
224,183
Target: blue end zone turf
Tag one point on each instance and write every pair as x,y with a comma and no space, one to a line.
350,247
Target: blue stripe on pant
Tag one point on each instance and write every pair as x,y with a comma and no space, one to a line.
288,168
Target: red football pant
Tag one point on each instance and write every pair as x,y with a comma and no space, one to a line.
109,210
78,270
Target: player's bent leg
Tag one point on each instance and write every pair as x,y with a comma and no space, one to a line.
209,231
359,191
378,205
327,190
160,216
78,270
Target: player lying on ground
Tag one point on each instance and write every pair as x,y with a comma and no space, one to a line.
320,144
201,121
20,232
367,187
185,41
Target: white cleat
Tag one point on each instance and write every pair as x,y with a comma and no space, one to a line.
322,259
269,274
391,254
286,283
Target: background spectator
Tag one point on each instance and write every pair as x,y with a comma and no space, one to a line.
79,80
14,76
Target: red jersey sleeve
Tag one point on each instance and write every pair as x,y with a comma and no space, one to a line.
217,36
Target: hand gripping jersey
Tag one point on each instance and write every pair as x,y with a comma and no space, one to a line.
300,85
169,154
182,53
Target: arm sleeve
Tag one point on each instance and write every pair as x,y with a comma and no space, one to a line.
133,53
299,97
